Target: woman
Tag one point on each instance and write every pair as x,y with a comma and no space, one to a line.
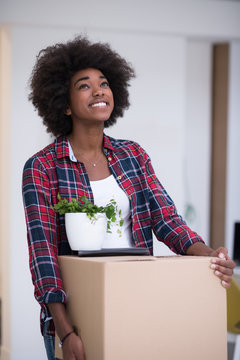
79,88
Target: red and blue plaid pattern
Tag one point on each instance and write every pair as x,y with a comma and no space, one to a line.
51,171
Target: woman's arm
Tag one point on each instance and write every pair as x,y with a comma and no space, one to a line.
171,228
167,224
72,346
43,248
42,234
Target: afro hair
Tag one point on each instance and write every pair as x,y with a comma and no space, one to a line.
52,73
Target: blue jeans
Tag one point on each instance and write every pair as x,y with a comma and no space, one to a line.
49,342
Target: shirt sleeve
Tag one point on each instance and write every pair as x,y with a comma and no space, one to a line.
41,234
167,224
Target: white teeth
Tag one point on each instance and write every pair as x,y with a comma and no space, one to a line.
100,104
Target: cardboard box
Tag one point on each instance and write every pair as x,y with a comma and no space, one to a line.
138,308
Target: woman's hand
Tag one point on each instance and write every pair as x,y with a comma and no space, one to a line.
221,263
223,266
73,348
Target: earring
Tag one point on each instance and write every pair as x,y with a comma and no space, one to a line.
68,112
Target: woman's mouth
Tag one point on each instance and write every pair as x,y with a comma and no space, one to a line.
100,104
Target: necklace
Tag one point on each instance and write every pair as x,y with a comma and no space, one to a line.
94,164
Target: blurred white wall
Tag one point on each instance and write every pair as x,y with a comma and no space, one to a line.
168,42
204,18
233,147
197,132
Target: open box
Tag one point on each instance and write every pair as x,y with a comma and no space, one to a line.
145,307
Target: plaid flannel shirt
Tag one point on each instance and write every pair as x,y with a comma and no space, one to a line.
51,171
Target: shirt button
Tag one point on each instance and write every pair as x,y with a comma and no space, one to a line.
119,177
109,158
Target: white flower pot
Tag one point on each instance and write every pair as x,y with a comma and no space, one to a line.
83,233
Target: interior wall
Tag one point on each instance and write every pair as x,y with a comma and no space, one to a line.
233,147
197,160
205,18
5,88
27,137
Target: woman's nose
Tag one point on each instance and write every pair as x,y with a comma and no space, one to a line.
98,92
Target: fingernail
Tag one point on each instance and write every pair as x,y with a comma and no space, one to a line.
221,255
217,273
225,284
213,266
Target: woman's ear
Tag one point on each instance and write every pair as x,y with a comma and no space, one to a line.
68,111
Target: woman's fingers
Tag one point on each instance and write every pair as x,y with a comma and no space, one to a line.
223,268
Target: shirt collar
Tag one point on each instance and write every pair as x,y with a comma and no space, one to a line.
61,147
107,143
71,154
64,149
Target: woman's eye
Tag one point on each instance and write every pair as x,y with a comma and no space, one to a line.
83,86
104,84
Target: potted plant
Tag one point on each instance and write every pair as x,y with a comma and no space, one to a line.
86,223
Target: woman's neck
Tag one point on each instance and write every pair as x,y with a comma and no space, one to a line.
87,140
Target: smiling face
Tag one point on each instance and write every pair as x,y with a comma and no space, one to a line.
91,99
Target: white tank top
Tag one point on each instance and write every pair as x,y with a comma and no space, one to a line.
103,191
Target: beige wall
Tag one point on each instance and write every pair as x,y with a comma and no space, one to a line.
5,60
